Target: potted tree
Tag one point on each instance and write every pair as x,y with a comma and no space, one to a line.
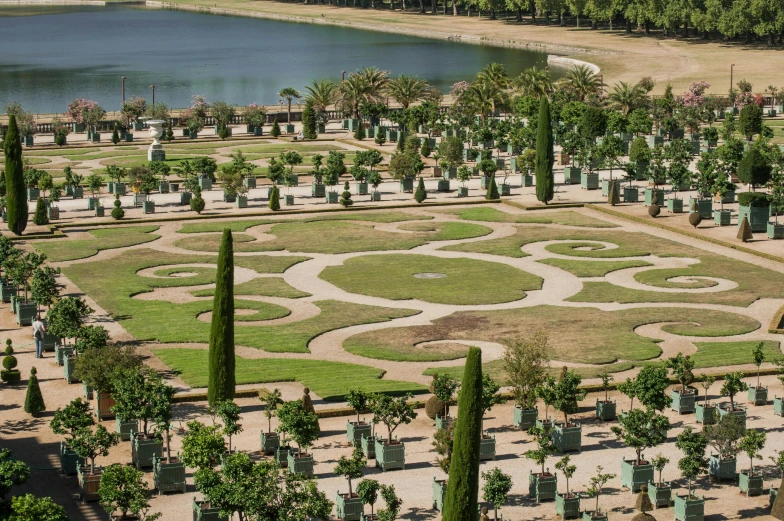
31,177
733,384
595,490
463,175
20,270
94,184
64,320
375,180
752,443
367,489
270,441
360,174
255,117
606,409
136,393
570,144
776,195
67,422
303,427
117,174
567,436
706,413
685,398
317,188
640,156
335,168
229,414
358,400
496,489
724,436
525,363
610,151
725,192
123,492
660,492
758,395
162,170
490,397
444,388
350,505
89,443
541,485
567,505
640,429
689,507
203,446
704,182
392,412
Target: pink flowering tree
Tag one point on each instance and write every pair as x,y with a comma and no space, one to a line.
134,108
86,111
695,96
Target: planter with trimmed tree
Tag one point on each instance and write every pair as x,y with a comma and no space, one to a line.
660,492
542,486
690,507
606,409
350,506
750,482
724,436
683,399
595,490
392,412
526,363
567,505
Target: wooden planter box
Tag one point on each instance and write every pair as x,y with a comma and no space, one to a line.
739,411
567,507
168,477
572,175
704,207
185,198
205,183
332,198
361,188
203,511
270,441
542,487
148,206
683,402
407,185
88,391
69,460
689,508
526,180
119,188
317,190
348,508
487,448
758,395
631,195
722,469
775,231
355,431
525,419
241,201
675,205
634,476
660,494
103,406
757,216
443,185
778,406
505,189
68,369
751,485
375,195
722,217
606,183
61,352
706,415
144,449
25,313
439,494
282,456
605,411
6,292
590,515
650,193
390,455
369,447
300,464
443,423
249,182
126,429
163,188
567,437
589,181
88,484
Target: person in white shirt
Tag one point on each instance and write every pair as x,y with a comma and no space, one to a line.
39,328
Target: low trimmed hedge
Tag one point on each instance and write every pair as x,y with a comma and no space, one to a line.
756,199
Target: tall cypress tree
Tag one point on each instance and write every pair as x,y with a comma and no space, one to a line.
309,122
16,197
462,494
544,154
221,357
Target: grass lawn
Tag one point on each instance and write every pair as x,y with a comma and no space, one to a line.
466,281
105,239
331,237
242,225
717,354
587,268
330,380
112,282
585,335
262,286
570,218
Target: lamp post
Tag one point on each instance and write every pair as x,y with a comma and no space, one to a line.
123,90
732,66
344,76
153,94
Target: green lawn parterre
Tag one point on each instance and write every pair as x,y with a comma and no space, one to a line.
59,250
491,214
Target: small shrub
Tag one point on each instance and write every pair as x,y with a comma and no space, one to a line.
425,150
492,190
434,407
34,400
756,199
274,202
41,217
421,194
275,132
345,197
359,133
197,203
654,210
117,212
116,133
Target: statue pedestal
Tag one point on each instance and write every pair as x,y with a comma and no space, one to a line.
156,152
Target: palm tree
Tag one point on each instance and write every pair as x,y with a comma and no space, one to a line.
534,82
627,97
407,89
322,94
583,82
289,93
376,81
494,73
352,92
484,97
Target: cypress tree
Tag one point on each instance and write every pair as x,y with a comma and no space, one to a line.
492,190
16,197
41,217
462,494
544,154
34,400
221,356
116,133
613,197
309,122
275,132
274,202
421,194
359,133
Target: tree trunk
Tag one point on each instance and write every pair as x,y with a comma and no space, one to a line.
563,18
454,8
685,29
647,28
519,17
666,32
422,6
771,40
628,26
748,37
492,14
705,35
594,25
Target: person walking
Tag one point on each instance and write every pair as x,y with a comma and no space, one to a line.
39,328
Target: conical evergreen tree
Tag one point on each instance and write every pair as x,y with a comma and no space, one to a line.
275,132
492,189
744,230
16,197
613,197
116,133
41,217
34,400
274,202
420,194
309,122
544,154
221,356
462,494
359,133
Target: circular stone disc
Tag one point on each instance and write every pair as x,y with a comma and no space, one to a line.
429,275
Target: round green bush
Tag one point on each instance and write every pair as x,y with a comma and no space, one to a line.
434,407
9,362
654,210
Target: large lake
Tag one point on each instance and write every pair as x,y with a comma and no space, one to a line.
51,55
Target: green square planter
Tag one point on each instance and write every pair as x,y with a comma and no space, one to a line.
772,493
361,188
443,422
348,508
722,217
542,487
650,194
6,292
439,494
241,201
571,175
369,447
605,411
332,198
590,515
778,406
689,508
148,206
567,438
301,464
92,202
318,190
249,182
660,494
88,484
631,195
391,135
144,449
53,212
722,469
69,460
205,183
288,129
704,207
634,476
450,173
25,313
524,419
750,484
355,431
390,455
88,391
775,231
526,180
228,198
505,189
706,415
757,215
163,188
68,369
282,455
168,477
126,429
758,395
270,441
77,192
443,185
567,507
407,185
606,183
740,411
641,171
33,194
119,188
589,181
60,352
185,198
655,140
375,195
203,511
675,205
683,402
100,211
487,448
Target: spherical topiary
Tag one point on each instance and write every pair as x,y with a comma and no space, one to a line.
117,212
9,362
654,210
435,407
345,197
695,219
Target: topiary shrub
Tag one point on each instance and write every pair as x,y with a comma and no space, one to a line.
639,150
10,373
695,219
197,203
744,230
274,202
223,131
654,210
425,150
34,400
754,168
345,197
421,194
614,197
359,133
435,407
41,217
492,190
116,133
117,212
60,139
756,199
275,132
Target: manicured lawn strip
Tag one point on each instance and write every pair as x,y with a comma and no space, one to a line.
268,263
105,239
242,225
203,275
140,160
275,149
37,160
67,152
262,286
467,281
606,292
330,380
717,354
584,335
569,218
97,154
581,268
404,353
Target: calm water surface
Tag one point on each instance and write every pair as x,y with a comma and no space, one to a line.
52,55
